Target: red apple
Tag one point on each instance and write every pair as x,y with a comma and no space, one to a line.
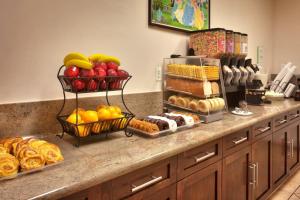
78,85
87,73
103,85
115,85
100,65
123,74
112,65
92,85
112,72
100,73
71,71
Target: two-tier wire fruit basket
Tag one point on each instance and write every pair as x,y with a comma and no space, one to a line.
101,128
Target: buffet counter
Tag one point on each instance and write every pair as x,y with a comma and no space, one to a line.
99,162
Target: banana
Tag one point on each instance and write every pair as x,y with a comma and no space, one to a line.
79,63
72,56
97,57
111,59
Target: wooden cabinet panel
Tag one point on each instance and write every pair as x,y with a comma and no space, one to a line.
236,176
280,121
262,129
236,141
193,160
168,193
202,185
293,146
99,192
262,158
279,156
147,180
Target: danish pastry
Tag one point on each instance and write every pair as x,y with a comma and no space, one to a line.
3,149
7,143
9,165
50,152
32,162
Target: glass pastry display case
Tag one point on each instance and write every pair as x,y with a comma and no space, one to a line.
194,84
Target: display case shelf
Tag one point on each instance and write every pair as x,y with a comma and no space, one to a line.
203,87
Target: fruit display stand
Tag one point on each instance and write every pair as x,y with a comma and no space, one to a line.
194,84
96,129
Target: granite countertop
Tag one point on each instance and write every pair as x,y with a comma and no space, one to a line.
107,159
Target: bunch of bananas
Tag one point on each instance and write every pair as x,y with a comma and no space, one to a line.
81,61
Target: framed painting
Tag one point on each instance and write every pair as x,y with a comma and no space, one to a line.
183,15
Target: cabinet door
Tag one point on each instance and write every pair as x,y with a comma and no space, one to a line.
279,156
261,157
202,185
168,193
236,176
293,146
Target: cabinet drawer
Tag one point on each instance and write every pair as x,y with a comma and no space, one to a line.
198,158
293,116
236,141
168,193
148,180
262,129
280,121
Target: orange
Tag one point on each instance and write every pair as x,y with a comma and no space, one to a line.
118,109
104,114
112,109
82,131
101,106
90,116
72,118
81,111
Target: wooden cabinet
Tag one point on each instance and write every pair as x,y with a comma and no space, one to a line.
245,165
262,160
195,159
279,156
145,182
168,193
237,176
202,185
293,146
236,141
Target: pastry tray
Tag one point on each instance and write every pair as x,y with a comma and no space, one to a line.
33,170
160,133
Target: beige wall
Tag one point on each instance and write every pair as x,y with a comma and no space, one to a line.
35,35
286,34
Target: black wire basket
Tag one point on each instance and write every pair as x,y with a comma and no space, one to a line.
89,85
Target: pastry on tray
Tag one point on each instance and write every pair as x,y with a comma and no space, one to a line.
28,153
194,116
178,119
9,165
143,125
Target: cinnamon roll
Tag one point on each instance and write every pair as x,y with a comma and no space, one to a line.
9,165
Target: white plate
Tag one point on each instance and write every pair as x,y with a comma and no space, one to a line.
242,113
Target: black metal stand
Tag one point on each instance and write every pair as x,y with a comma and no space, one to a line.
94,129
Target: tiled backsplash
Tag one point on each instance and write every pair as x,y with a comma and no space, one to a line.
40,117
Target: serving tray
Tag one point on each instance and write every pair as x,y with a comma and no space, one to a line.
160,133
33,170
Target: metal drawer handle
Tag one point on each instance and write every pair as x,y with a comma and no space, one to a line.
262,130
294,116
253,181
243,139
281,121
292,148
142,186
256,172
208,155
